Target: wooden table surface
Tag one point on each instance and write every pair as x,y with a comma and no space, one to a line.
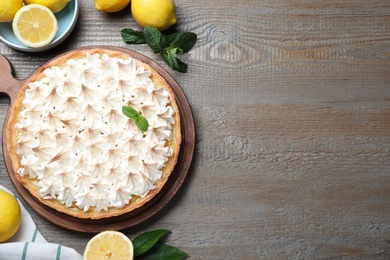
291,101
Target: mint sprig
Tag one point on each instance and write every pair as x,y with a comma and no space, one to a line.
148,246
131,36
169,46
155,39
140,121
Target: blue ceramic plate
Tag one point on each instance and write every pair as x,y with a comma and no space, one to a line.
66,18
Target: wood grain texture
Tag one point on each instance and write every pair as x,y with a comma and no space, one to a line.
291,101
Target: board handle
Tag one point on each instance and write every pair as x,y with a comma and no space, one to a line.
9,85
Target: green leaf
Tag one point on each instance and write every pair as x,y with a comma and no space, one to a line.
171,37
174,62
154,39
130,112
184,41
131,36
168,45
181,66
140,121
163,251
170,59
177,51
147,240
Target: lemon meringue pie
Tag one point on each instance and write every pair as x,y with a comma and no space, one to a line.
73,148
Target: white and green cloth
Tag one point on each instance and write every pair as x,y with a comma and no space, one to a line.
29,244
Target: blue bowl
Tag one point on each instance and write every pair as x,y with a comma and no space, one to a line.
66,18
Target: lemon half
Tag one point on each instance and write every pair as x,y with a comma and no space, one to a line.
111,245
9,215
35,25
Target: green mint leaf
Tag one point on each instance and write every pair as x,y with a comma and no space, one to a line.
146,241
184,41
154,39
140,121
131,36
177,51
174,62
130,112
171,37
171,60
163,251
168,45
182,67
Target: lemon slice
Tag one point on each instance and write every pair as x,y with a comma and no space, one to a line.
35,25
111,245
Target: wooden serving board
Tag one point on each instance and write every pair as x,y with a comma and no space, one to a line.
9,86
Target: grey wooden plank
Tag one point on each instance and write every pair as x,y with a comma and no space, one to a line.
291,106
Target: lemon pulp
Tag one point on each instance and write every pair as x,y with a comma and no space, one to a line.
111,245
35,25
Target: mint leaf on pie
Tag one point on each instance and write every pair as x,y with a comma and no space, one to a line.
140,121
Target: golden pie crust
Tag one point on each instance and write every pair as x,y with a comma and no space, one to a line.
92,213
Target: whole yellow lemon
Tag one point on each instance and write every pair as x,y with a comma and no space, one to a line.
160,14
54,5
111,6
8,9
9,215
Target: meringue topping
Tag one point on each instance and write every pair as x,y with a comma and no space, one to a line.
75,141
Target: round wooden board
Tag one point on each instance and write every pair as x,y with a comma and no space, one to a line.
10,86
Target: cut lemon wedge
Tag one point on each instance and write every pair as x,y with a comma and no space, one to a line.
111,245
35,25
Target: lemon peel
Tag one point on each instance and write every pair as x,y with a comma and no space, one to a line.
54,5
111,6
160,14
8,9
9,215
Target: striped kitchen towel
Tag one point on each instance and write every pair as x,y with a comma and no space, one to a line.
29,244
